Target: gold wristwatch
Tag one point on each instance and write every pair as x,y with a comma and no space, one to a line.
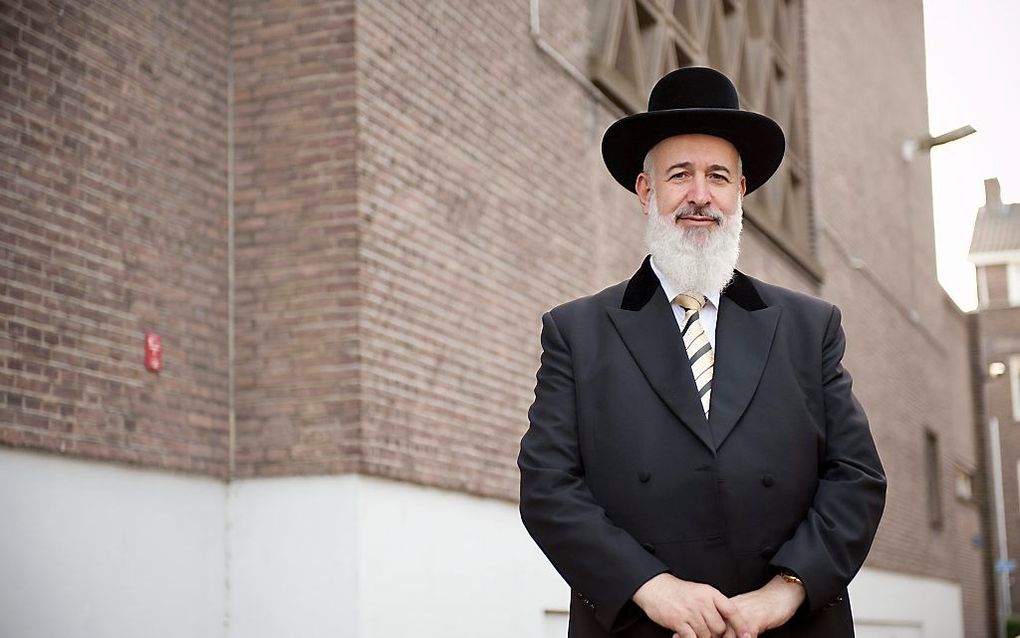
791,578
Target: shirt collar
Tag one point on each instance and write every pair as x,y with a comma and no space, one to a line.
671,292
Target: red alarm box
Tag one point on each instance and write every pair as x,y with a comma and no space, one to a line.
153,352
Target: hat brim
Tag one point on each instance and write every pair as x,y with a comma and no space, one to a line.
758,139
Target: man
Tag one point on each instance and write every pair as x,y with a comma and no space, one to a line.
697,464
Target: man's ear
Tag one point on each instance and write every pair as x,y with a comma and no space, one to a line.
643,188
743,186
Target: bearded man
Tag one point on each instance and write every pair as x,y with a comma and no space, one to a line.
696,463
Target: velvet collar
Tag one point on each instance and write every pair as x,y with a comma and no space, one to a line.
644,284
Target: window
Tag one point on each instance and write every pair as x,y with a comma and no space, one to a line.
964,483
1014,385
757,44
931,467
1013,283
982,281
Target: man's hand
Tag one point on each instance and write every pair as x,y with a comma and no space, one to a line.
771,606
692,610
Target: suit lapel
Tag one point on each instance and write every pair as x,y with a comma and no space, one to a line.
744,331
648,328
745,328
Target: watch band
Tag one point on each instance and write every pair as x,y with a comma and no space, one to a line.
791,578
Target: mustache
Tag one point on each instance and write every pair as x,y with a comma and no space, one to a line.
687,211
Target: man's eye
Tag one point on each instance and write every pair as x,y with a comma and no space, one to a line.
717,177
681,174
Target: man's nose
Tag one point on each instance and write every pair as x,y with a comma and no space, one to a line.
698,194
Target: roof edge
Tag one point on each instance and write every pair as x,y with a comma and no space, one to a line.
994,257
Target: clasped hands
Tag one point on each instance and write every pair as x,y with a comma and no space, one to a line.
696,610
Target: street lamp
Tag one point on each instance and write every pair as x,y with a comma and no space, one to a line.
910,148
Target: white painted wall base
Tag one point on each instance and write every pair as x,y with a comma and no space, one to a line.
447,564
352,556
90,549
293,552
95,550
893,605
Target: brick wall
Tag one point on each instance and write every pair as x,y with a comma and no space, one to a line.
1000,340
907,345
113,197
296,237
997,284
484,203
115,221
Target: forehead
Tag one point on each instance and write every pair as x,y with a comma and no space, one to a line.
698,149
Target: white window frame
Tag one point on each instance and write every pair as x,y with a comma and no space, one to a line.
1013,282
1014,385
964,483
982,278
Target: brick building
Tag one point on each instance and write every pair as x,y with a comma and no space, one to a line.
344,220
995,252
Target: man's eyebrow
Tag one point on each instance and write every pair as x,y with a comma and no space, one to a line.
686,165
689,165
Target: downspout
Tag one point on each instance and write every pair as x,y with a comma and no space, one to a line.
231,411
231,406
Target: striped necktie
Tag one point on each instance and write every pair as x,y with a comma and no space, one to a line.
699,350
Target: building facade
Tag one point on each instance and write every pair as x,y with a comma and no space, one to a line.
995,252
344,220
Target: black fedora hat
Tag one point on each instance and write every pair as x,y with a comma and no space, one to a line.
694,100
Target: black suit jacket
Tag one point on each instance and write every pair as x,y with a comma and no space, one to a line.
623,477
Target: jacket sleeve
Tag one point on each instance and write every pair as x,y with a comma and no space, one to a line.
830,545
601,562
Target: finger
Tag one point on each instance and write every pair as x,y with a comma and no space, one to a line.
731,614
697,623
730,633
738,626
714,621
686,631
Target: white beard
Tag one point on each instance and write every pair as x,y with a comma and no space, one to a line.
697,260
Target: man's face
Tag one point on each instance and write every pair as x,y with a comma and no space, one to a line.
692,176
692,192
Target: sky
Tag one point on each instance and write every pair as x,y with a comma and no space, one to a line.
972,48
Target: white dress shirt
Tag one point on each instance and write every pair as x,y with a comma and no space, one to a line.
707,315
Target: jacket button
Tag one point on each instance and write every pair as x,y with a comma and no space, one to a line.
648,547
768,480
767,551
644,477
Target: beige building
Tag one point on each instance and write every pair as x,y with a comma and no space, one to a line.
344,220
